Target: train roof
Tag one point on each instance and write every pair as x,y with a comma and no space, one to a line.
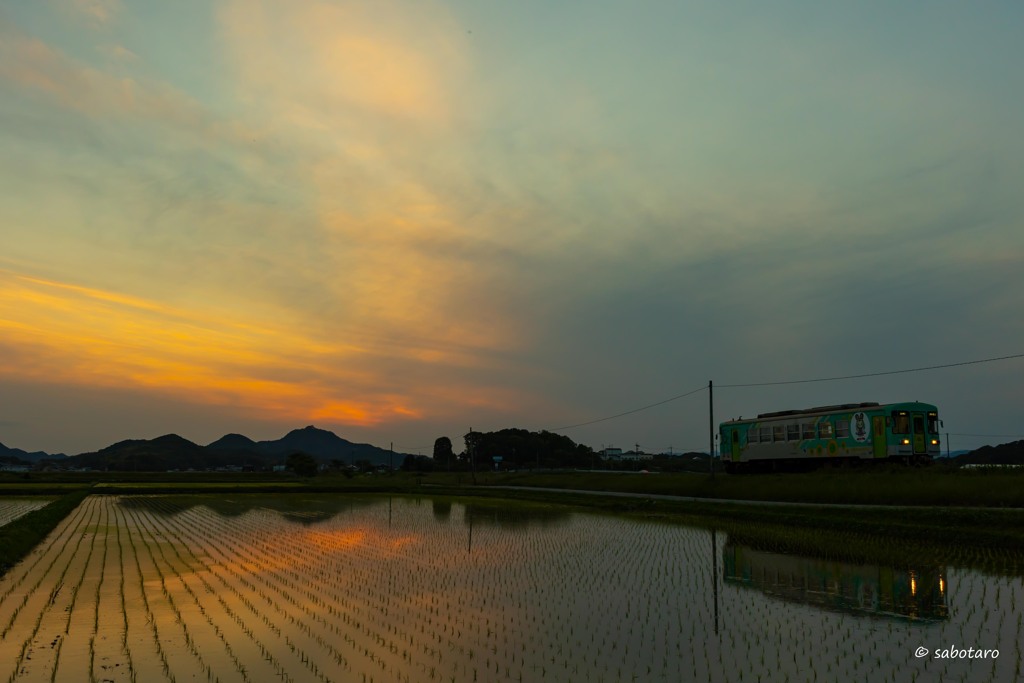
819,409
825,410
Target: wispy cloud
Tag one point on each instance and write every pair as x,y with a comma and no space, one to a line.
391,213
96,12
69,333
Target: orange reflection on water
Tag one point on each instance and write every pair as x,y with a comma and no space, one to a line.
401,542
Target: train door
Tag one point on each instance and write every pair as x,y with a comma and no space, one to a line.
919,436
735,446
878,440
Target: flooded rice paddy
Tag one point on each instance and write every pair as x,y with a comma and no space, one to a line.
193,588
13,508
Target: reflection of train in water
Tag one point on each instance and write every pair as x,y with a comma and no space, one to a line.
907,432
868,590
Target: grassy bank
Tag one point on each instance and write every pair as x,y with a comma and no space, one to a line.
927,486
19,537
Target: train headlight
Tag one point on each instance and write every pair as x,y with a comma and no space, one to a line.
905,442
935,442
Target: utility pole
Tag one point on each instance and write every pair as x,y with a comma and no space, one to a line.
391,458
711,426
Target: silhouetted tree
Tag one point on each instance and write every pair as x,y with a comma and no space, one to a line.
520,448
443,454
302,464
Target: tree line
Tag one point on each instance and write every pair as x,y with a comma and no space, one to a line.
512,449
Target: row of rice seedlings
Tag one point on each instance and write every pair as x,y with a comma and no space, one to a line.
287,609
13,508
143,640
241,602
37,627
803,643
498,631
188,632
75,650
552,626
21,582
227,617
850,653
110,657
288,590
598,598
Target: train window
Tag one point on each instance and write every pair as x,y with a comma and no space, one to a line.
842,429
933,423
792,432
780,432
824,430
808,430
752,435
900,422
766,434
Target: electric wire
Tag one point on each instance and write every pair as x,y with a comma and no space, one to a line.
629,412
870,374
795,381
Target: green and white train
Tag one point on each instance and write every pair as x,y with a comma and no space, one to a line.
904,432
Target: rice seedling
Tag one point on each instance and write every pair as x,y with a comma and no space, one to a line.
330,589
11,508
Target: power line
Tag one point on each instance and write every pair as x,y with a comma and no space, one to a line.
630,412
1002,436
871,374
801,381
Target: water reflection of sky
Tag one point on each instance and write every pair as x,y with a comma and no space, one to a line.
492,591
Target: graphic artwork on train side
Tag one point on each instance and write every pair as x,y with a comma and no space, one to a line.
856,432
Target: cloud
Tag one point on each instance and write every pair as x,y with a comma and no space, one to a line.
118,53
73,334
32,64
328,64
96,12
66,333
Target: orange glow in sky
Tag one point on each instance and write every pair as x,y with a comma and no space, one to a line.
401,221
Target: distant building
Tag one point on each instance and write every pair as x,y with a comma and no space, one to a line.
636,456
611,453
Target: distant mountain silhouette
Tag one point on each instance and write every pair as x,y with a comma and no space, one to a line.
1004,454
173,452
168,452
26,456
322,444
232,442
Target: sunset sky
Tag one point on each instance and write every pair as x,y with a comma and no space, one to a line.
403,220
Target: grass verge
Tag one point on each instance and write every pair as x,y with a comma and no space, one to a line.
924,486
19,537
